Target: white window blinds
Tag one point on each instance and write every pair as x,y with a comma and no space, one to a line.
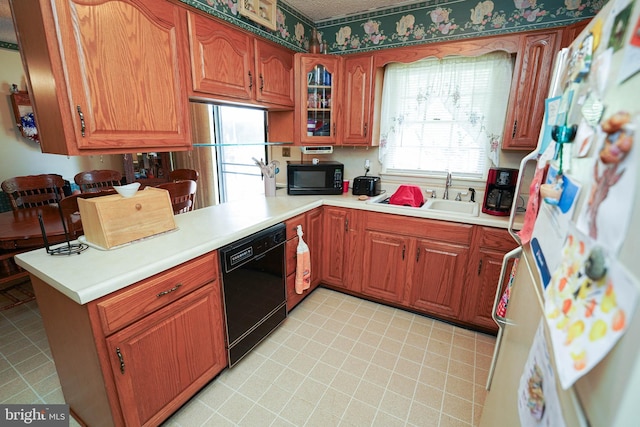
443,114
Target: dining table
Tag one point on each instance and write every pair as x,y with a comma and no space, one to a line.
20,231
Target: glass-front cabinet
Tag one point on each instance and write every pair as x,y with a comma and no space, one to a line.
319,99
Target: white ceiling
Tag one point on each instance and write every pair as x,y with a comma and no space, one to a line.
315,10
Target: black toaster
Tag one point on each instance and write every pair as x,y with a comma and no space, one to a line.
366,185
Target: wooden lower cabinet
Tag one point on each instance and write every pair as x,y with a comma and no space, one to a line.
418,263
492,245
439,268
313,238
438,279
135,356
341,259
385,265
311,223
160,361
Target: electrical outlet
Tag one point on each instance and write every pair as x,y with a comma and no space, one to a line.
367,164
286,151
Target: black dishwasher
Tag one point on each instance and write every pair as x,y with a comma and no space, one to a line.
254,289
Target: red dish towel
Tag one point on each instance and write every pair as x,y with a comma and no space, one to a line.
407,195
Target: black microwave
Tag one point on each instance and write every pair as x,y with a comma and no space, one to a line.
308,178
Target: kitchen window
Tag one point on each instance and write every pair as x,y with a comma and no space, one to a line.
241,135
445,114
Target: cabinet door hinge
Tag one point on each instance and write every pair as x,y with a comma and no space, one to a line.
479,267
515,126
418,255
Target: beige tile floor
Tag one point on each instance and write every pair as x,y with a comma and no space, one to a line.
336,361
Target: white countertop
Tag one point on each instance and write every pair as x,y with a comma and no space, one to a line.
95,273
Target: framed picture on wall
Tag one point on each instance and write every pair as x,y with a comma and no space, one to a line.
261,12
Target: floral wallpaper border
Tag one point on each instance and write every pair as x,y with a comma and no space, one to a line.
424,22
7,45
436,20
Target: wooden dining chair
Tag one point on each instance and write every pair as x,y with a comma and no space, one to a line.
96,180
33,190
71,211
182,195
183,174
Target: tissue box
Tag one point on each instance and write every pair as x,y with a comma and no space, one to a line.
114,220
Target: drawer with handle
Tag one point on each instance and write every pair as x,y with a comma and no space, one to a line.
124,307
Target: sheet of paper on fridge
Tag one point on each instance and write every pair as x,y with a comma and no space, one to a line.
606,213
551,226
631,60
588,306
538,403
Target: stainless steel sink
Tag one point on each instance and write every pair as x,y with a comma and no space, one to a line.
452,206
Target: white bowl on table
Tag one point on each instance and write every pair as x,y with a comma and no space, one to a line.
127,190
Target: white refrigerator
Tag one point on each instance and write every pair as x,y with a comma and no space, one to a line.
578,274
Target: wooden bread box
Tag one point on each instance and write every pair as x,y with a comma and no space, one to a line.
113,220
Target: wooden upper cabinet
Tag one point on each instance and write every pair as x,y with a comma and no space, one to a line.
274,68
231,64
97,90
221,58
529,89
571,32
318,105
357,100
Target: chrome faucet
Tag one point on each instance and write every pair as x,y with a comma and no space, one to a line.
447,184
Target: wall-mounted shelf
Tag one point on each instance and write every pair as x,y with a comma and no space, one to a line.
261,12
242,145
23,113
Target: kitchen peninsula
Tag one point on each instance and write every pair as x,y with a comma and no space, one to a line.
116,317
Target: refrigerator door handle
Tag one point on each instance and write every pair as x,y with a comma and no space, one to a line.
533,156
501,322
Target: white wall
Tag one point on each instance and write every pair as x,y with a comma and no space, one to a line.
21,156
354,157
